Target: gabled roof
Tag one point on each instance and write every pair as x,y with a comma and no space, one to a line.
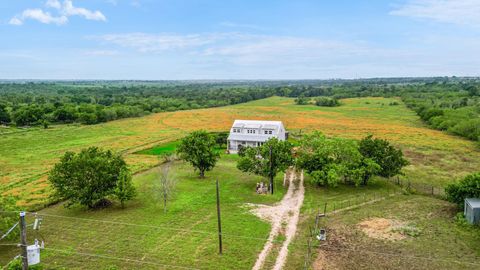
257,124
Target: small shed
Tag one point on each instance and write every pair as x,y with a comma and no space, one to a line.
472,210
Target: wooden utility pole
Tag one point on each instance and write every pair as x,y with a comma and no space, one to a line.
219,222
23,241
271,171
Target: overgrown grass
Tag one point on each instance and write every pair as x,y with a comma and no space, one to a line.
184,236
441,243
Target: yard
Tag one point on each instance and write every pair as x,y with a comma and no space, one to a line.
143,236
422,232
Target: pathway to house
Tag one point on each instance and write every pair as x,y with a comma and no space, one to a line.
287,211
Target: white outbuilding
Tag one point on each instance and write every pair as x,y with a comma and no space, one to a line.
253,133
472,210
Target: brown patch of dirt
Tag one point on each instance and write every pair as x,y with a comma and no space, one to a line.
382,228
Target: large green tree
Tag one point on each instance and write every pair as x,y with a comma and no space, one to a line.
198,149
90,176
331,160
389,158
267,160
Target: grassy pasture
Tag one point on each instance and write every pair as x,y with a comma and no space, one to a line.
159,150
436,157
185,236
442,243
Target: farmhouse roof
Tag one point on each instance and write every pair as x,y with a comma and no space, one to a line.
257,124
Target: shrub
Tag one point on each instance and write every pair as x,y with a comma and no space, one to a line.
468,187
327,102
8,204
302,100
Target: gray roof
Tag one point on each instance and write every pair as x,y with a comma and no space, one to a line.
258,124
473,202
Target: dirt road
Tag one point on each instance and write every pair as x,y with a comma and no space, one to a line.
286,212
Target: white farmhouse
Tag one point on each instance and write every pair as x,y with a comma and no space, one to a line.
253,133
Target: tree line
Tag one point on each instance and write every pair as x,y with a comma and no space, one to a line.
446,103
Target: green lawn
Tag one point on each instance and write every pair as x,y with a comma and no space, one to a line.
184,236
159,150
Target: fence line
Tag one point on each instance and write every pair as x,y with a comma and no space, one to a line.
420,188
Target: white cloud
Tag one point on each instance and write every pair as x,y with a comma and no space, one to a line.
15,21
160,42
463,12
53,4
65,10
69,10
38,15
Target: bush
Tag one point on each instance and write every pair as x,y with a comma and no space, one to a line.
468,187
7,220
88,177
302,100
327,102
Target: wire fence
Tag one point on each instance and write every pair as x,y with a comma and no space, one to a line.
420,188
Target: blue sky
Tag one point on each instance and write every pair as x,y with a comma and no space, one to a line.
238,39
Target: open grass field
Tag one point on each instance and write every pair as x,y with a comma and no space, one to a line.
437,241
142,236
183,238
436,157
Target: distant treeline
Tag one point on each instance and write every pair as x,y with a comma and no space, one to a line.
446,103
42,103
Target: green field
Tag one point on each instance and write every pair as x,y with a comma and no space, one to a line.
159,150
436,157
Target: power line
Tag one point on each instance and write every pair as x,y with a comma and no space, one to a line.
234,236
146,226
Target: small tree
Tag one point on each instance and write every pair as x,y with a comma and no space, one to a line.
389,158
125,190
166,185
267,160
468,187
198,149
88,177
